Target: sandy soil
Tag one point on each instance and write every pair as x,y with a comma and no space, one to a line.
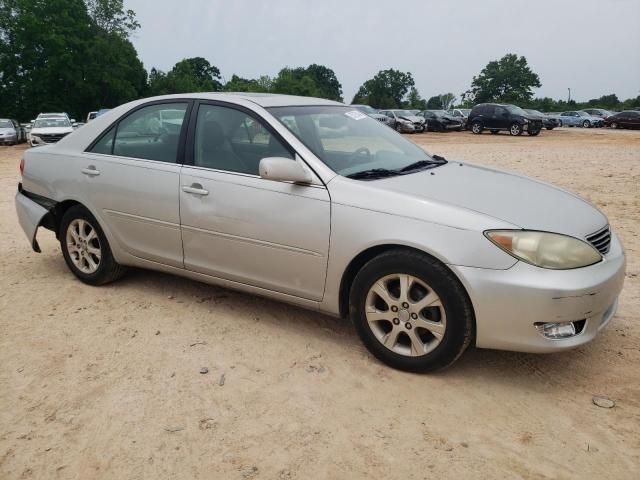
106,383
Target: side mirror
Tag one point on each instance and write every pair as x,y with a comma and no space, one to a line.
283,170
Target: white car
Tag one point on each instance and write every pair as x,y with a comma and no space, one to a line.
49,130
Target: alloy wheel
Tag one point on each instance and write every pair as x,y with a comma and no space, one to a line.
405,315
614,125
586,124
476,127
515,129
83,246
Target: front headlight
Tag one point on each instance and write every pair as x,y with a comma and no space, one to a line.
524,120
546,250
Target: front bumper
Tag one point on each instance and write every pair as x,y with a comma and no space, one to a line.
9,139
407,127
508,303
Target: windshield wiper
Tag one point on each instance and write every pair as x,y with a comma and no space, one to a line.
373,173
420,164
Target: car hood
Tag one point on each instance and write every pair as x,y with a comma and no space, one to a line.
7,130
51,130
412,118
512,198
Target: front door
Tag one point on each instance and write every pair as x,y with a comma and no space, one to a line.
241,227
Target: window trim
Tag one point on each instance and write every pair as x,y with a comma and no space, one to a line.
116,123
189,152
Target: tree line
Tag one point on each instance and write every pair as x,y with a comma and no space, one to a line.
76,56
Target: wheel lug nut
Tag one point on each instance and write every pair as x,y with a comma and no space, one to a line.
414,315
408,326
396,321
394,309
405,305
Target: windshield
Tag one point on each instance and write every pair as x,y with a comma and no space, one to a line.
533,112
6,124
516,110
437,113
348,141
365,109
584,114
466,111
52,123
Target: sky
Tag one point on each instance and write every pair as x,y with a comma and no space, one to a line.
590,46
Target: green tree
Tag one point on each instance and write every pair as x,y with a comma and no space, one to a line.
415,101
239,84
54,56
111,17
506,80
387,89
312,81
188,75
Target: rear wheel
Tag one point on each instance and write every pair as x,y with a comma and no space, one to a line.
476,127
410,311
549,128
515,129
85,248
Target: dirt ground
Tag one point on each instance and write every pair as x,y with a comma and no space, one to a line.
105,382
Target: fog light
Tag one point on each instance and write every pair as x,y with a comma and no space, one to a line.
556,330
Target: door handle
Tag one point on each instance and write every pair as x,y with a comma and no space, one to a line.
91,171
195,189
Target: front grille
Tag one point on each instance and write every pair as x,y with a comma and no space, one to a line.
52,138
601,240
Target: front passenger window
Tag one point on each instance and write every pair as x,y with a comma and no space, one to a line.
231,140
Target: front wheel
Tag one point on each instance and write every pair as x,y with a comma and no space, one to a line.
515,129
614,125
586,124
85,248
398,128
476,127
410,311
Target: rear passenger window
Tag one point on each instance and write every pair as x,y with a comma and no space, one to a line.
229,139
151,133
105,144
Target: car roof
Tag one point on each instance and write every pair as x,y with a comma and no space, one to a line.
263,99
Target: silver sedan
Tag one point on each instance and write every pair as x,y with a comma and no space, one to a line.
312,202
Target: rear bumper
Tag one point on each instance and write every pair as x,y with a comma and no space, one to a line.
509,302
30,215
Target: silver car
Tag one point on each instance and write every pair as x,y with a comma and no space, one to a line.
312,202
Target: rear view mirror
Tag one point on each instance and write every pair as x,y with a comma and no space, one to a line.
283,170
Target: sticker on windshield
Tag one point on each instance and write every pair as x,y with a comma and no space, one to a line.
355,114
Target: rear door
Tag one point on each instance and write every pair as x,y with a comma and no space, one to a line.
132,176
239,226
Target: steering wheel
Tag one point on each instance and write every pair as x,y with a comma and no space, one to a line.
360,151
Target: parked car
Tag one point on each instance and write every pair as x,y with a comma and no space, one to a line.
440,121
49,130
579,119
373,113
598,112
547,122
495,117
404,121
461,114
626,119
11,132
425,256
91,116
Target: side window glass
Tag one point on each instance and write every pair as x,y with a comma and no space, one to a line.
105,144
231,140
151,133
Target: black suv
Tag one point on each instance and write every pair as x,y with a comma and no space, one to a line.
495,117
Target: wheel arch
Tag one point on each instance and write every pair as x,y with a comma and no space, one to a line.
357,262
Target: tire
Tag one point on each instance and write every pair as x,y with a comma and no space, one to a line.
549,128
614,125
398,128
414,348
534,133
91,260
476,127
559,123
494,132
515,129
586,124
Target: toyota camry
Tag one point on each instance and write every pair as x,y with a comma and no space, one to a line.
312,202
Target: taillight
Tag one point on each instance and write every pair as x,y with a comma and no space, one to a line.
22,166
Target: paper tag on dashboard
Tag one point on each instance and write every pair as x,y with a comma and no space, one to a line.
355,114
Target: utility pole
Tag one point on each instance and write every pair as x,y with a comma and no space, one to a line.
569,100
